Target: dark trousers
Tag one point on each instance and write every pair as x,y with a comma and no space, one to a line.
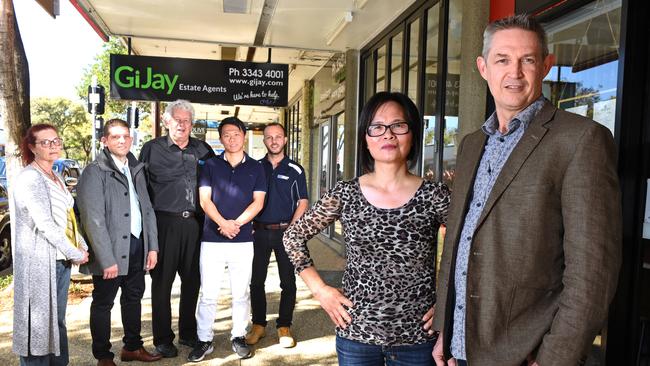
265,242
62,286
178,245
104,292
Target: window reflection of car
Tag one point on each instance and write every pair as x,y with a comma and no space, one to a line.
5,231
69,170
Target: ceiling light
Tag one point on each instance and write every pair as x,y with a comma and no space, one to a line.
342,23
235,6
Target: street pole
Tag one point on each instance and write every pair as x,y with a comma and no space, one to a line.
93,117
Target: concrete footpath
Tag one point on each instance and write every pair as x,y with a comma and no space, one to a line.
312,328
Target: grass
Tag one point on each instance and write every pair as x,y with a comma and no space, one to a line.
5,281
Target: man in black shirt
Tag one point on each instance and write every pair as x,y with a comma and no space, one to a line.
172,164
286,201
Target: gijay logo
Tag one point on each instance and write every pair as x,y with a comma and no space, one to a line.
128,77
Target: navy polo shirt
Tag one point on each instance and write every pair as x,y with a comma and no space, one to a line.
286,186
232,193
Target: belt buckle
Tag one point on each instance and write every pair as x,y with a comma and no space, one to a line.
185,214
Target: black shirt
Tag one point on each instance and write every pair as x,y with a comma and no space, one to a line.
286,186
172,172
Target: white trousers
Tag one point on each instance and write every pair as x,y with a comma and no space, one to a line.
213,261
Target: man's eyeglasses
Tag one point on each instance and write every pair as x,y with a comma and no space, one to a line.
397,128
47,143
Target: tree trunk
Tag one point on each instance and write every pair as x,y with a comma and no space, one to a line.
14,93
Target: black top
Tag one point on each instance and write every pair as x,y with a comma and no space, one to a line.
286,186
232,192
172,172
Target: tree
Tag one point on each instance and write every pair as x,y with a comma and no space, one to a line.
71,120
14,81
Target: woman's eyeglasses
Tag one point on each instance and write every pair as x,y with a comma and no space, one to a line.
397,128
47,143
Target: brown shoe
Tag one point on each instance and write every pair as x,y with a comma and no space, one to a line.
106,362
284,337
139,355
256,333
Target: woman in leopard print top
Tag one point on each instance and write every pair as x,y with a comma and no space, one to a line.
390,220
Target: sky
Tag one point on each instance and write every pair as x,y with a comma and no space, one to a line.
57,49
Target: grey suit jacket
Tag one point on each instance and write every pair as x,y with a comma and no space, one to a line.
104,205
546,252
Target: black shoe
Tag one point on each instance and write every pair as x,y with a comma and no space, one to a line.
240,347
166,350
200,351
188,342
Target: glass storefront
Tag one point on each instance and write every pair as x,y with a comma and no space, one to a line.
585,43
415,69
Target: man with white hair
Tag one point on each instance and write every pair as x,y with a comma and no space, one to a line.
172,164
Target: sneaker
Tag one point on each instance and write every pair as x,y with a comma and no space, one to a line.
285,338
240,347
256,333
200,351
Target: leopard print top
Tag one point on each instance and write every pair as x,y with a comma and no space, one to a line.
389,274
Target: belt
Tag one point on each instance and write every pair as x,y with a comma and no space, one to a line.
280,226
184,214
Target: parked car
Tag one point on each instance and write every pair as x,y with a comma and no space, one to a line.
70,171
5,230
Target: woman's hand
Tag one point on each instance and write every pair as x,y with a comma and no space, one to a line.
82,260
332,301
428,320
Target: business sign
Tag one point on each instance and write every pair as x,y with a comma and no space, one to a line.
199,81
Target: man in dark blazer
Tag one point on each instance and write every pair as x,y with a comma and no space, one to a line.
120,223
533,241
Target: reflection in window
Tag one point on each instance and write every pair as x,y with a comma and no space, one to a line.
429,148
414,36
369,75
586,43
340,162
452,92
381,69
324,158
396,63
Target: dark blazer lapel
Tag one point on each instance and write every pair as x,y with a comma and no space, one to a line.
529,141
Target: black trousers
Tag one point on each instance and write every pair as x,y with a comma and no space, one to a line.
104,292
266,241
178,245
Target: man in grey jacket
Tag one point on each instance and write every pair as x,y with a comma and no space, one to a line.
120,223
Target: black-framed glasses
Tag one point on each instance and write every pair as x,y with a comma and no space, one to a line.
397,128
47,143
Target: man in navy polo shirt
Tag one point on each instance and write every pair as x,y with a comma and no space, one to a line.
286,201
232,187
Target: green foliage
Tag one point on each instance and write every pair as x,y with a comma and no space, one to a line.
5,281
102,67
72,121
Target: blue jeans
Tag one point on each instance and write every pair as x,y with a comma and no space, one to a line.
62,285
353,353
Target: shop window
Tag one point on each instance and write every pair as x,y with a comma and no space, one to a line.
381,69
585,43
339,122
413,59
369,72
452,92
293,128
397,43
430,150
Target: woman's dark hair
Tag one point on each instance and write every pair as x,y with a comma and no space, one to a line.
412,118
29,139
232,121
